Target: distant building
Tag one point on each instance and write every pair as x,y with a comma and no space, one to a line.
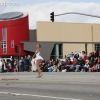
14,28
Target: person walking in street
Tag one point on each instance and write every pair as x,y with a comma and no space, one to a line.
38,59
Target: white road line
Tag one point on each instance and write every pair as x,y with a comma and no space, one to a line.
41,96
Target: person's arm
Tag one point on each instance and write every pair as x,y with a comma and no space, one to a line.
35,53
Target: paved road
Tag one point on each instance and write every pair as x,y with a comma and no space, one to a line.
52,86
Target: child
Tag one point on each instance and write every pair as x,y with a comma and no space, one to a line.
15,68
94,68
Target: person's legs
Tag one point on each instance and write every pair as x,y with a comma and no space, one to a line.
85,69
71,68
0,70
67,68
77,68
60,68
38,68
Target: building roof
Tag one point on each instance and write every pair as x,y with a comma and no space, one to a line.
10,15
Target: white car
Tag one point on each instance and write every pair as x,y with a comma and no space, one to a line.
77,53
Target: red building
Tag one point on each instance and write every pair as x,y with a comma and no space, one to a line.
14,28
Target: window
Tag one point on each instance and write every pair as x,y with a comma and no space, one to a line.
5,50
4,34
56,52
97,46
4,40
4,46
12,44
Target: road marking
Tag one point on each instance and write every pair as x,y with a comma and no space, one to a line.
40,96
56,81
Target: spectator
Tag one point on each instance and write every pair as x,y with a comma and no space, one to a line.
9,69
98,64
4,67
15,69
90,65
76,65
94,68
86,66
92,54
81,62
12,64
84,55
28,63
22,64
96,53
0,65
68,64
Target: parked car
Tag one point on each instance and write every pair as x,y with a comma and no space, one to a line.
6,59
75,54
72,55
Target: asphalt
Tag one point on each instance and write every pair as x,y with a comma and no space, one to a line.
51,86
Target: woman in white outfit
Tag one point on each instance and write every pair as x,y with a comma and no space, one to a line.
38,59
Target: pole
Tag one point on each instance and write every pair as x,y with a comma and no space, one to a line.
92,37
86,48
78,14
19,52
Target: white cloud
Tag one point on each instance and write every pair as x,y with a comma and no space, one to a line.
3,0
41,12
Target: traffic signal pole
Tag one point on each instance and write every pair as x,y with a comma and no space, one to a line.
52,15
78,14
18,50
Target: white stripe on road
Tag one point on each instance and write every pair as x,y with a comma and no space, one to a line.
49,97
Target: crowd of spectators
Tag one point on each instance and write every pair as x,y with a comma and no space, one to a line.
84,63
15,65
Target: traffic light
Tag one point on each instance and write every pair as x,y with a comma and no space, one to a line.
52,16
16,49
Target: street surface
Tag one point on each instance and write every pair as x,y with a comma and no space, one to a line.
51,86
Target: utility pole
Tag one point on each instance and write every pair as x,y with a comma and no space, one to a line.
19,52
